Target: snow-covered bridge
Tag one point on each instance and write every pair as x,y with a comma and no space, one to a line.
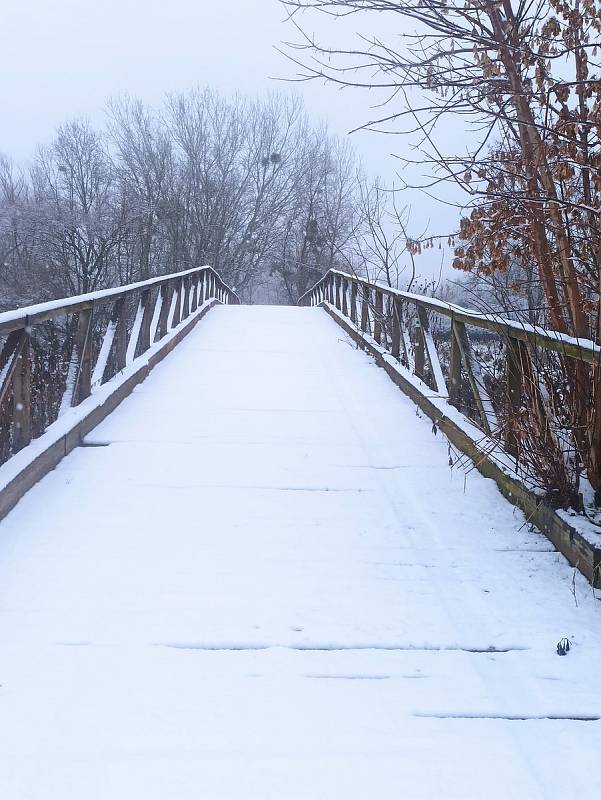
260,577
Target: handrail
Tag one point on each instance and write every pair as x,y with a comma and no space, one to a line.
379,311
40,379
579,349
30,315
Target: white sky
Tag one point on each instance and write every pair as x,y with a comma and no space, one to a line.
64,58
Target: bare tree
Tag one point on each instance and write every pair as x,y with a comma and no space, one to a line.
521,76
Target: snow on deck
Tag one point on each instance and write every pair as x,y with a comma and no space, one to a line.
262,579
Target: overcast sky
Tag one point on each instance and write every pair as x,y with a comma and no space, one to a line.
65,58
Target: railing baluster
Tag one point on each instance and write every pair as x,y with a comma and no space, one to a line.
365,300
177,304
344,297
144,337
135,333
419,366
83,350
22,397
194,300
186,298
354,301
78,380
120,343
454,370
514,387
106,348
9,359
395,344
474,375
379,309
164,314
430,348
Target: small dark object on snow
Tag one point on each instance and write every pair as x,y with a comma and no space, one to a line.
563,647
434,429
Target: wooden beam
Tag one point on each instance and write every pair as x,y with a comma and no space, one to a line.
83,354
164,313
514,383
472,369
454,370
345,297
378,315
365,309
9,356
438,380
21,433
148,311
354,302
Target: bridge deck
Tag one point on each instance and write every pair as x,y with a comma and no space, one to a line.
265,581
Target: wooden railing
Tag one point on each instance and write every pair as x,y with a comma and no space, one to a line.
400,322
56,354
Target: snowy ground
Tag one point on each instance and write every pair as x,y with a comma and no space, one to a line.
269,583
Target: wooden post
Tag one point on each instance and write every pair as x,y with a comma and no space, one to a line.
438,381
475,377
399,344
378,314
9,359
186,299
454,370
148,313
395,344
514,377
354,302
120,341
194,294
337,295
345,297
22,397
419,350
83,353
178,303
164,313
365,308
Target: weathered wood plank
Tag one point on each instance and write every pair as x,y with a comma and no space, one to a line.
83,350
354,302
432,354
454,370
419,351
9,358
514,377
365,299
344,290
148,312
472,369
166,291
378,314
21,427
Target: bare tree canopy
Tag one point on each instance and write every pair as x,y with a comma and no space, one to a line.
247,186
